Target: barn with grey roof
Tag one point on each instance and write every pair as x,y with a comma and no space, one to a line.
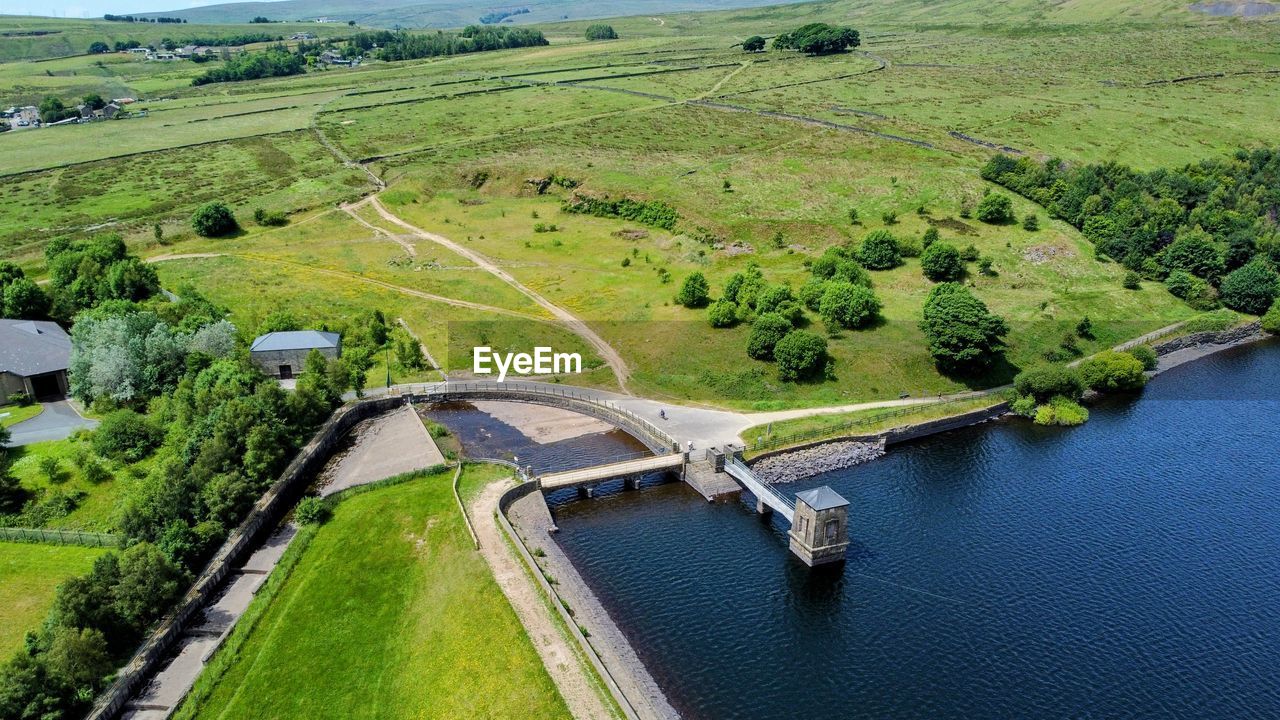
284,354
34,356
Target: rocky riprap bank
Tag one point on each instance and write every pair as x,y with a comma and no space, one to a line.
815,460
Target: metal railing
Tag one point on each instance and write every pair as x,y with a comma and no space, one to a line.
765,492
59,537
850,427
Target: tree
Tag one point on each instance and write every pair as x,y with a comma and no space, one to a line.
94,101
600,31
1195,291
79,655
800,354
214,220
879,251
1111,371
695,292
1195,253
996,209
23,299
149,584
127,356
1270,321
1251,289
755,43
98,47
818,39
766,332
941,262
845,305
964,337
126,435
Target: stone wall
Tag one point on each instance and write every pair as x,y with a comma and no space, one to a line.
269,361
265,516
1232,336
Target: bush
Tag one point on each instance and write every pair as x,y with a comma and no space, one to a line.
964,337
755,43
930,237
810,294
722,314
996,209
941,263
21,399
845,305
1031,223
1132,281
600,31
311,510
766,332
1023,405
1195,292
126,435
1145,355
695,292
1061,411
800,354
1111,371
879,251
214,220
94,471
1195,253
1271,321
274,218
984,266
1252,289
1044,383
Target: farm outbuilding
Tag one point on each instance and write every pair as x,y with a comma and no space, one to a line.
34,356
284,354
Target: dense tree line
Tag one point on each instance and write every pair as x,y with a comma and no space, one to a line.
600,31
1208,230
131,18
496,16
175,387
403,45
818,39
649,212
274,62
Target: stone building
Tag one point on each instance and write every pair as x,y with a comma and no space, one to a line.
820,531
284,354
34,356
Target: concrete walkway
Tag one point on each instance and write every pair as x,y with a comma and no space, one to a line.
57,421
384,446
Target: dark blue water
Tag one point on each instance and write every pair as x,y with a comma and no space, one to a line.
1129,568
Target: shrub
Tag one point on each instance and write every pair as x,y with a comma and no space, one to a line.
214,220
984,266
800,354
1146,356
1112,371
1031,223
889,218
941,263
1132,281
94,471
126,435
930,237
964,337
1023,405
1084,328
51,468
311,510
810,294
969,253
1251,289
853,216
722,314
879,251
1061,411
274,218
1271,321
600,31
755,43
21,399
1195,292
766,332
695,292
774,298
996,209
1044,383
845,305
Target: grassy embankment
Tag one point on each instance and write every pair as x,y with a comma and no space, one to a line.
29,575
435,634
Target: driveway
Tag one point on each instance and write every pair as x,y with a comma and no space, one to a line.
57,421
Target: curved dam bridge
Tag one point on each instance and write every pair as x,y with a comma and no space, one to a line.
818,517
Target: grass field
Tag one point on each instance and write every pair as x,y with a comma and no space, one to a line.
388,613
29,575
13,414
95,509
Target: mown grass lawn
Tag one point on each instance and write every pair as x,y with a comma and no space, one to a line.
95,509
29,576
389,613
13,414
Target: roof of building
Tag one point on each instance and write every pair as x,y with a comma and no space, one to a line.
33,347
822,498
295,340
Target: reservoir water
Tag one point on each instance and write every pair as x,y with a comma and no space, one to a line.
1129,568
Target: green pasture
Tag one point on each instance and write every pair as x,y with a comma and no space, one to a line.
29,576
95,503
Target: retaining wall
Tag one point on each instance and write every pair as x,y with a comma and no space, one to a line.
265,516
1224,337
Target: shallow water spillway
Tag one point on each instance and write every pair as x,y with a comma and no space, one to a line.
1128,568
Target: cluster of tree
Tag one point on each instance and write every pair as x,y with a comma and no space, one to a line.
98,47
964,337
818,39
755,43
131,18
261,20
52,109
403,45
122,45
1051,394
86,273
273,62
20,297
648,212
496,16
600,31
1207,230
